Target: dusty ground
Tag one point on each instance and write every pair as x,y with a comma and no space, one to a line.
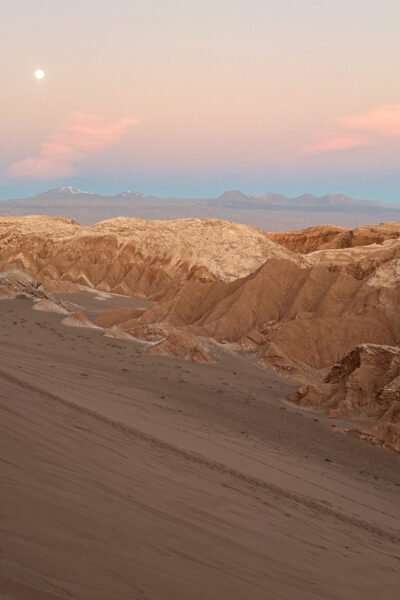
131,476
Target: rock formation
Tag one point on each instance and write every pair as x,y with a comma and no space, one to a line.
301,307
365,383
182,344
17,283
314,315
331,237
134,256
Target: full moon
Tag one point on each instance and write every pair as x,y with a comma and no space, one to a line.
39,74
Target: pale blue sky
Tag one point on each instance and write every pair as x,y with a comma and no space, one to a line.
253,95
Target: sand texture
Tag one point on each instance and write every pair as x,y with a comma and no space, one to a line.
128,475
192,410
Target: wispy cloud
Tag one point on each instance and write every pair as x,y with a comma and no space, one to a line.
338,142
384,121
364,129
78,138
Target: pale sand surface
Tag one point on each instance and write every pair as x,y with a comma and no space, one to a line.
96,302
130,476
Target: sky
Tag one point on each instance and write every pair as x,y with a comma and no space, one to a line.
192,98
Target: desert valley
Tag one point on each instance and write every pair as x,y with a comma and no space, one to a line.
197,409
199,300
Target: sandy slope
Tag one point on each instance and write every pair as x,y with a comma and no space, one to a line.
126,475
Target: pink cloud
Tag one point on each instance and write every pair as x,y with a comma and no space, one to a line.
360,130
343,142
77,139
384,121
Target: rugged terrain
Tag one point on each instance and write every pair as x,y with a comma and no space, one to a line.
299,305
364,383
133,256
330,236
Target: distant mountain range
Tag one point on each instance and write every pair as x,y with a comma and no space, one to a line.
269,211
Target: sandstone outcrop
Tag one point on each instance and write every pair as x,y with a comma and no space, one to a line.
365,383
313,238
17,283
133,256
117,332
325,237
181,343
300,312
314,316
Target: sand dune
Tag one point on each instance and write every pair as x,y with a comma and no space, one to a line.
128,475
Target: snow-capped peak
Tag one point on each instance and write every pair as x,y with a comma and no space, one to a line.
71,190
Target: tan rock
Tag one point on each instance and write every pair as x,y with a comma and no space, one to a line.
365,383
182,344
134,256
323,237
117,332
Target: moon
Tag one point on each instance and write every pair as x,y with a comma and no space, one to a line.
39,74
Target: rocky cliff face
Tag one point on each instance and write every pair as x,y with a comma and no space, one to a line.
364,383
